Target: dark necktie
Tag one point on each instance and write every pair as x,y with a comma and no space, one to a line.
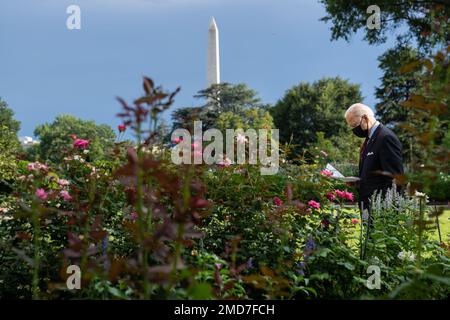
361,154
363,148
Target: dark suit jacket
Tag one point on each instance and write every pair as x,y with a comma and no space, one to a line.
380,161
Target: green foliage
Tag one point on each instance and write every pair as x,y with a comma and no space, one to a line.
309,108
397,85
55,138
9,143
226,97
339,150
440,189
429,120
252,118
226,102
7,118
9,147
412,21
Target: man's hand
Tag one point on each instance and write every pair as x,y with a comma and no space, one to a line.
352,183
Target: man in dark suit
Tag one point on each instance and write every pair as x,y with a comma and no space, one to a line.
380,154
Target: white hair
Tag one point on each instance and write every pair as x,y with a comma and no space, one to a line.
358,110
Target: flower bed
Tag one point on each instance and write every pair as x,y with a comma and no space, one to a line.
140,227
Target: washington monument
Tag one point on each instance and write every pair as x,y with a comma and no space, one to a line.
213,64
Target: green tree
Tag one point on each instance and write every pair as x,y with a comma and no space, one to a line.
226,97
429,119
7,118
411,20
55,138
309,108
9,142
340,150
185,117
223,98
396,86
253,118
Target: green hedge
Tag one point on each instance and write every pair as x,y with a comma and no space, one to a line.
440,190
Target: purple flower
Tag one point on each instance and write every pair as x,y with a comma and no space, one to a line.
250,263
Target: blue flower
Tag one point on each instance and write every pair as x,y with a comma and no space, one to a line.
105,244
310,244
300,268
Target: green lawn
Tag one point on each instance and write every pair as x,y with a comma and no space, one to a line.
444,222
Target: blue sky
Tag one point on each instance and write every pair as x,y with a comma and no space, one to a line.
271,45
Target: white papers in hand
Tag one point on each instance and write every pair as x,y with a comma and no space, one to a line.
337,175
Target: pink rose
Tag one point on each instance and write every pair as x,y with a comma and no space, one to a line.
355,221
340,193
348,195
36,166
63,182
41,194
65,195
330,196
81,143
344,195
277,201
326,173
314,204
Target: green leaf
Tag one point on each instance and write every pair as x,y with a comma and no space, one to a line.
323,252
347,265
320,276
117,293
200,291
